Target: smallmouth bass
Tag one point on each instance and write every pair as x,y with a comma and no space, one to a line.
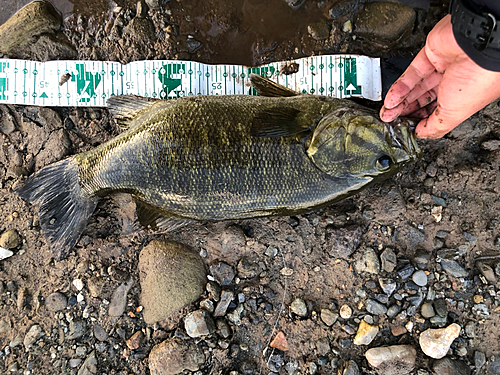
210,158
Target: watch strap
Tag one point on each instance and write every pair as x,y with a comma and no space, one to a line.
479,27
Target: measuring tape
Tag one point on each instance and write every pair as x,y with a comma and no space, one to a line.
91,83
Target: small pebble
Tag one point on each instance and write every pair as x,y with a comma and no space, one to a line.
10,239
388,358
56,302
78,283
375,308
279,342
427,310
420,278
366,333
198,323
328,317
298,307
345,312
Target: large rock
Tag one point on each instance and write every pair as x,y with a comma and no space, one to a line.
392,360
436,342
173,356
172,276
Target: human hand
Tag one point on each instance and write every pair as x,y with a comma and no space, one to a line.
442,85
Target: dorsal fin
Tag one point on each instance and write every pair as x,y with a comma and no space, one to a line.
125,108
277,122
266,87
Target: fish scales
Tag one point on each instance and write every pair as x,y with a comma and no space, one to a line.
198,160
222,158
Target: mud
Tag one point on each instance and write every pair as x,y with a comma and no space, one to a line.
311,256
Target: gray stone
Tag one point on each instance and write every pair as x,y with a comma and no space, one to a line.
199,323
118,301
470,329
56,302
225,300
393,310
385,22
427,310
388,259
410,236
375,308
368,262
420,278
77,329
100,333
323,346
392,360
453,268
173,356
447,366
440,307
438,321
275,362
329,317
33,334
5,326
351,368
422,259
298,307
89,367
172,276
491,145
481,310
223,273
479,359
494,366
406,271
247,268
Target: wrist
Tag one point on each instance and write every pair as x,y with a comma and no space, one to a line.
477,33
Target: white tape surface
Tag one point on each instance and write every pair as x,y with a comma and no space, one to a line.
90,83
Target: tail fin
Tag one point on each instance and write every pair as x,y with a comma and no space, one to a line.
64,208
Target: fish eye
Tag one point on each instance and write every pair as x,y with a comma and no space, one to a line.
384,162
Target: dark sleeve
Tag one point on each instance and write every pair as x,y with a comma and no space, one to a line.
490,57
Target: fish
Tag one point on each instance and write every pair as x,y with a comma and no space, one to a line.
227,157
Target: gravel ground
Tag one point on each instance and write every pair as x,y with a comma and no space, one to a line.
400,279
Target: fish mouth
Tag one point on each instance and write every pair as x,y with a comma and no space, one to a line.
402,132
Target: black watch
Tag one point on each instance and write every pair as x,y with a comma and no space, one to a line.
479,27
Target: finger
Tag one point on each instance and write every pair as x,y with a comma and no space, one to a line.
429,83
421,102
440,122
419,69
425,111
389,115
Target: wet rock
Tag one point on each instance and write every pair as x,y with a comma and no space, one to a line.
436,342
89,367
453,268
199,323
222,272
342,8
77,329
385,22
279,342
447,366
389,260
366,333
427,310
420,278
319,30
387,285
33,334
174,356
10,239
345,312
119,299
487,272
375,308
298,307
328,317
368,262
344,242
225,300
247,268
392,360
351,368
56,302
171,277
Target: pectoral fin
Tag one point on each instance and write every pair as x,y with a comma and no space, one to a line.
266,87
277,122
154,218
